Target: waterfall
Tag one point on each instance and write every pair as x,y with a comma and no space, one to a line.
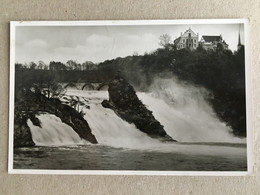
53,132
110,129
182,109
184,112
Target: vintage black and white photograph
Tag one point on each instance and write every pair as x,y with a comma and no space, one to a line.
165,96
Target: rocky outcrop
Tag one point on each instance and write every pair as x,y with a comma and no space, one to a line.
125,103
28,110
75,120
22,133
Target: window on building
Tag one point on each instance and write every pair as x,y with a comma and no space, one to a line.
183,40
194,45
194,40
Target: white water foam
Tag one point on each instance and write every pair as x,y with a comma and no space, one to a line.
185,114
181,109
53,132
108,128
111,130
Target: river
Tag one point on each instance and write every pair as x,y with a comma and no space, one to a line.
204,142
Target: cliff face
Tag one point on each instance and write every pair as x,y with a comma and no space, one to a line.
67,114
125,103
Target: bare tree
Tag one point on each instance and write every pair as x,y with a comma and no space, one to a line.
165,40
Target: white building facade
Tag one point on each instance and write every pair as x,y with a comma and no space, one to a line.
187,40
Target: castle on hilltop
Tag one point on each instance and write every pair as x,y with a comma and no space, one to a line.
189,39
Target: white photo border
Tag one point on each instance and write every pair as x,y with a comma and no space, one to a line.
249,139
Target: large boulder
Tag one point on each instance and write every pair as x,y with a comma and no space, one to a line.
125,103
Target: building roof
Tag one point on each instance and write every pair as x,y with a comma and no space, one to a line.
225,43
176,41
186,35
211,38
189,31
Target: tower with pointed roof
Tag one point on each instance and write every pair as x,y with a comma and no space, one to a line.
239,45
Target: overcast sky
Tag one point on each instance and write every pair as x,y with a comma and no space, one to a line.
99,43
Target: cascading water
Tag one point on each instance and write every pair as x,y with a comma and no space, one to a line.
108,128
184,112
53,132
181,109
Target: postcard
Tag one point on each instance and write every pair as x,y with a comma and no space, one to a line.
144,97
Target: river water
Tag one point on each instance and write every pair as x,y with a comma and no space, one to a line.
89,157
205,143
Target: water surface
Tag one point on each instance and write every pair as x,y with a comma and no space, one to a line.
98,157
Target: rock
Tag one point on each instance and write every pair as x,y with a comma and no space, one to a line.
75,120
39,103
22,133
125,103
35,120
107,104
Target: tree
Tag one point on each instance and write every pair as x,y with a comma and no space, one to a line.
53,90
18,66
32,65
41,65
165,41
88,65
57,66
47,85
75,103
135,53
46,67
73,65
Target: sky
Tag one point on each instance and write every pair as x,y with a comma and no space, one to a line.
100,43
